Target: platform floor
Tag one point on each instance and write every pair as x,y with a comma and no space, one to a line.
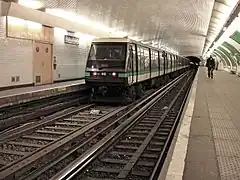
23,94
211,151
23,90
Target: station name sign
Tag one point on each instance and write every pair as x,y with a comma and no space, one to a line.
71,40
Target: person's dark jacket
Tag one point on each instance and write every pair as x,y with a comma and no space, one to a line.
210,63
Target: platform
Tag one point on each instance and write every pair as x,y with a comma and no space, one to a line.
208,143
25,94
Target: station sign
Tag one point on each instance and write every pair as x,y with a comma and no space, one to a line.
71,40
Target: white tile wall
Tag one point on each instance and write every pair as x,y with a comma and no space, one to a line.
70,59
2,28
15,59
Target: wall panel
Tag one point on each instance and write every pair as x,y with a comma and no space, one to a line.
71,59
15,59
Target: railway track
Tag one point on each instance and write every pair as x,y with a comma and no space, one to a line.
17,115
137,148
28,141
25,147
51,144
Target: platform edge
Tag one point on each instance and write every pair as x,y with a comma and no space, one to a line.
176,157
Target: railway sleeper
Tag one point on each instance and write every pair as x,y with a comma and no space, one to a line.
126,147
114,161
139,132
162,129
107,170
15,143
2,151
146,124
60,128
69,124
51,132
131,141
39,138
135,136
153,122
142,128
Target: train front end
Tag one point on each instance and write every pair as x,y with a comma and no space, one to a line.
105,70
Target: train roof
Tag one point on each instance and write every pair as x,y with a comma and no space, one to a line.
112,40
127,40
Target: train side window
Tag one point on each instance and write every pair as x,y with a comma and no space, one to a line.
154,59
166,62
131,58
140,58
146,59
132,46
174,62
161,60
171,60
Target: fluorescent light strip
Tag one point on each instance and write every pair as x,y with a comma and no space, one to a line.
229,31
33,4
85,21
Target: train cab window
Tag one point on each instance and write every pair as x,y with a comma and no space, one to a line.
106,51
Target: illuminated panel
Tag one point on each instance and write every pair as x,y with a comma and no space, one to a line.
33,4
85,21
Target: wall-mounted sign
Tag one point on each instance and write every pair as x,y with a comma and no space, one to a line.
71,40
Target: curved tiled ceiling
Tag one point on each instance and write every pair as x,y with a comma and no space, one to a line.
182,25
178,24
231,48
227,47
221,11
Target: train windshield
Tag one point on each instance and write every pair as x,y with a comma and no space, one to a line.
107,56
106,51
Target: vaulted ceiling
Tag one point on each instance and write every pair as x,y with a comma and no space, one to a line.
182,25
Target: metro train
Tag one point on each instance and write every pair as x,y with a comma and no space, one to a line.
122,69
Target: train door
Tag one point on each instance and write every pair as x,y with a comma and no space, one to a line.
42,63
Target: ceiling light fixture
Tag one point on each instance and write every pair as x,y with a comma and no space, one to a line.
85,21
33,4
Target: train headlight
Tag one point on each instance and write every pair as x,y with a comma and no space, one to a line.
94,73
114,74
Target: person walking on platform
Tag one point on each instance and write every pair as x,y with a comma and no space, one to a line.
217,63
211,66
